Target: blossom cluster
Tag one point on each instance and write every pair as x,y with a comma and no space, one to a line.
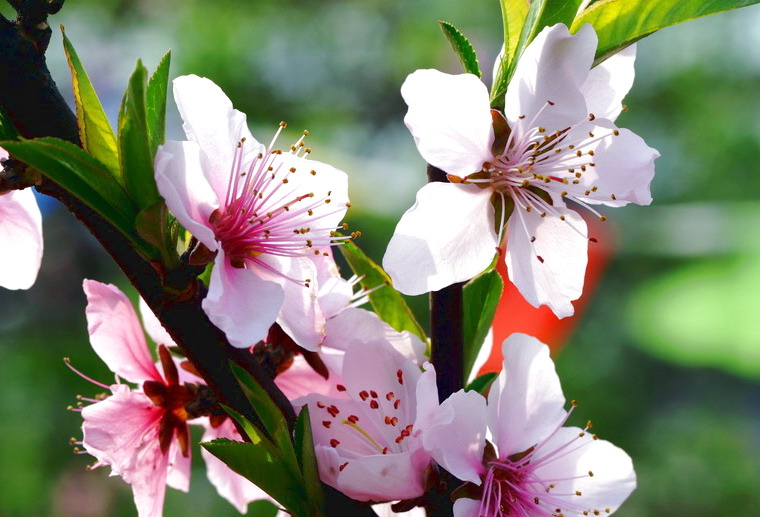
264,218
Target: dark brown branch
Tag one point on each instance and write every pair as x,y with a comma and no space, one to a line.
36,108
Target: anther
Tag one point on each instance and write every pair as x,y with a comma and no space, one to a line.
334,443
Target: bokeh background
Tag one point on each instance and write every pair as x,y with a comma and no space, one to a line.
666,358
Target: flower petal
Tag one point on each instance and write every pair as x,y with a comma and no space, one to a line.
384,477
525,403
359,325
240,303
608,83
553,68
624,168
210,121
186,190
116,334
446,237
456,437
153,327
546,257
178,471
613,477
300,315
21,238
464,507
115,428
300,380
450,119
231,486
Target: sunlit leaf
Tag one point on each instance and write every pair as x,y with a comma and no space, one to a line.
462,48
619,23
134,142
94,129
482,383
386,301
480,298
155,103
253,462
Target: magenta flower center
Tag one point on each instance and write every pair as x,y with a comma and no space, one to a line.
269,211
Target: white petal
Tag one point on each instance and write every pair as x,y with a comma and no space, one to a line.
464,507
300,315
624,168
614,478
20,239
609,82
456,437
553,68
240,303
116,334
212,123
354,324
450,119
385,510
178,472
446,237
550,269
525,403
186,190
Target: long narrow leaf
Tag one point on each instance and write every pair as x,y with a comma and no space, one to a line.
94,129
155,103
307,459
481,297
462,48
81,174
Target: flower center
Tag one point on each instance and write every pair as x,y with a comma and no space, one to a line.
271,208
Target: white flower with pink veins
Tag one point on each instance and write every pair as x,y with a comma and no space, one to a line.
556,141
262,210
20,237
535,466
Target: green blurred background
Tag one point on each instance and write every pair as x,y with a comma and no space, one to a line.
667,357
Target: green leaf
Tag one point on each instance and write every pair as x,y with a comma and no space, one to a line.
134,143
480,298
307,459
254,463
386,301
619,23
270,415
462,48
482,383
155,103
80,174
94,129
513,13
7,129
250,430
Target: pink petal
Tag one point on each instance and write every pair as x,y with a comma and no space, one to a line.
456,437
116,334
186,190
301,380
334,292
359,325
608,83
212,123
450,119
384,477
553,68
178,469
148,479
568,455
231,486
153,327
116,429
466,508
240,303
525,403
20,238
546,257
446,237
